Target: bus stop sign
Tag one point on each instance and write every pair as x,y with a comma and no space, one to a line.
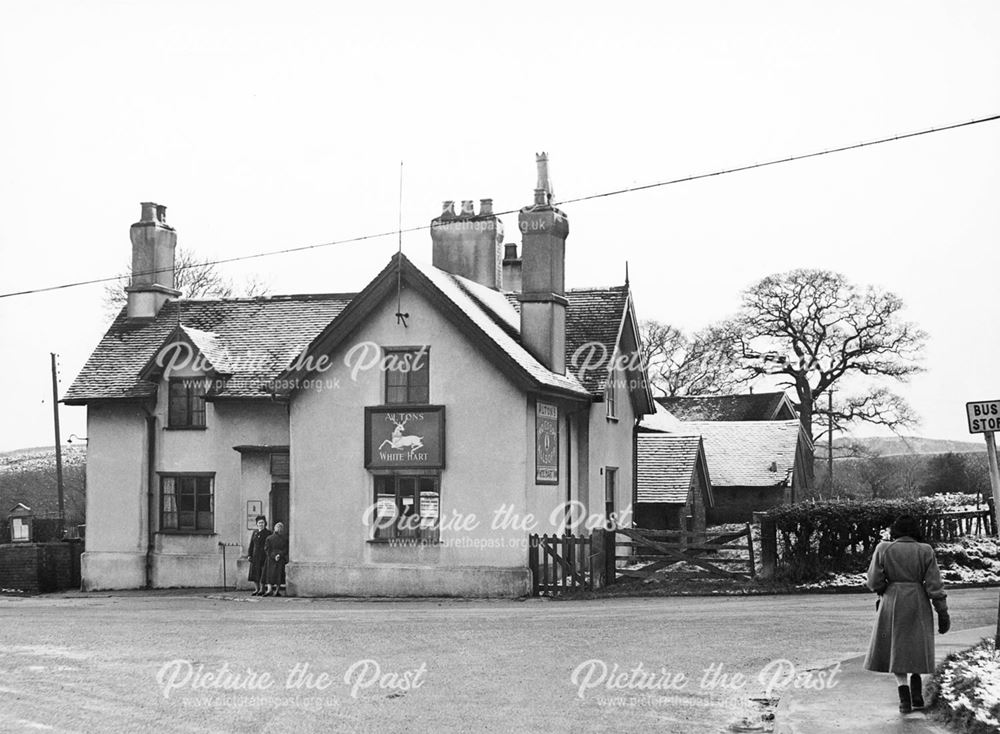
984,416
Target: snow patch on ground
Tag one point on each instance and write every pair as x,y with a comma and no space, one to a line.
970,684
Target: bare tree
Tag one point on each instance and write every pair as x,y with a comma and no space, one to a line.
702,364
194,277
814,328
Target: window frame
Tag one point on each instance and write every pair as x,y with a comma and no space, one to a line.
610,398
175,527
407,386
424,535
20,530
191,399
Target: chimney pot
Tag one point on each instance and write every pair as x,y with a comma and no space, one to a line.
485,207
448,209
161,213
467,209
510,251
149,211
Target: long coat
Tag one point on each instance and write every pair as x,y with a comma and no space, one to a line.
276,548
906,574
255,552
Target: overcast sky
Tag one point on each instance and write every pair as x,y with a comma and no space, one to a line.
269,125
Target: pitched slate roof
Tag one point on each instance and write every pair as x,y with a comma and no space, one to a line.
593,316
748,453
754,407
666,464
254,341
249,339
491,311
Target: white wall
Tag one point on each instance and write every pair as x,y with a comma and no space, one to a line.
487,456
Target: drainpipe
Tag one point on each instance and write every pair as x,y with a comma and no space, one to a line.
150,494
569,468
635,467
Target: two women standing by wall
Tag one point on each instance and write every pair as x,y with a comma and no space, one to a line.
268,554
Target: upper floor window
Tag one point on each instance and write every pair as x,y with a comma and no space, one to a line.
186,407
407,376
610,399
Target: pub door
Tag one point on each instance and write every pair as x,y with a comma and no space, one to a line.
279,504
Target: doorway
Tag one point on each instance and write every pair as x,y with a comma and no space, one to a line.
279,504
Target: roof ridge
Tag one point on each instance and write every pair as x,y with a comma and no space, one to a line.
598,288
260,299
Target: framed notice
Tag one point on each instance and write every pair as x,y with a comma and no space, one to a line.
254,508
546,443
404,437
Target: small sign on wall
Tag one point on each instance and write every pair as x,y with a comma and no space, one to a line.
546,443
254,508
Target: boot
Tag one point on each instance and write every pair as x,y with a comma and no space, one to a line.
916,692
904,700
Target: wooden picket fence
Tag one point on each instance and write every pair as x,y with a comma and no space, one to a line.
562,564
946,526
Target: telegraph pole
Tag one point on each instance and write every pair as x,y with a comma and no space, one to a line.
829,436
55,420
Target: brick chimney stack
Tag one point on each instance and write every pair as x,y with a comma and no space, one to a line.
468,244
544,230
153,245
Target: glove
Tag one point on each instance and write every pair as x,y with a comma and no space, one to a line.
944,622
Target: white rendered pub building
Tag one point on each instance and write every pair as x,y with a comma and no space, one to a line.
410,435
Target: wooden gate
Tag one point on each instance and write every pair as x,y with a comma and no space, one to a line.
561,564
677,553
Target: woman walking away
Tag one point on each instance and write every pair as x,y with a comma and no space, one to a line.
276,549
905,575
256,555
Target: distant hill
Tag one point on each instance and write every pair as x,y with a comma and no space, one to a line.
902,445
28,476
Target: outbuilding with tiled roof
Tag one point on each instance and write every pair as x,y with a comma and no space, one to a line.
674,487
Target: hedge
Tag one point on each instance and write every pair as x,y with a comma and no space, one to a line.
815,537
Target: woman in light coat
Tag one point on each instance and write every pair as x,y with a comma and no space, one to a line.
905,575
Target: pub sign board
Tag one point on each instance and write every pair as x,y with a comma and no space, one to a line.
546,443
404,437
984,416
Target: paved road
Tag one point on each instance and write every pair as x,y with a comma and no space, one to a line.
207,662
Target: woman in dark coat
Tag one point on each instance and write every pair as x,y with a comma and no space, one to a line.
905,575
276,549
255,553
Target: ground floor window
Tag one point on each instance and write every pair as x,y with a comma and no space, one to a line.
187,503
407,506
